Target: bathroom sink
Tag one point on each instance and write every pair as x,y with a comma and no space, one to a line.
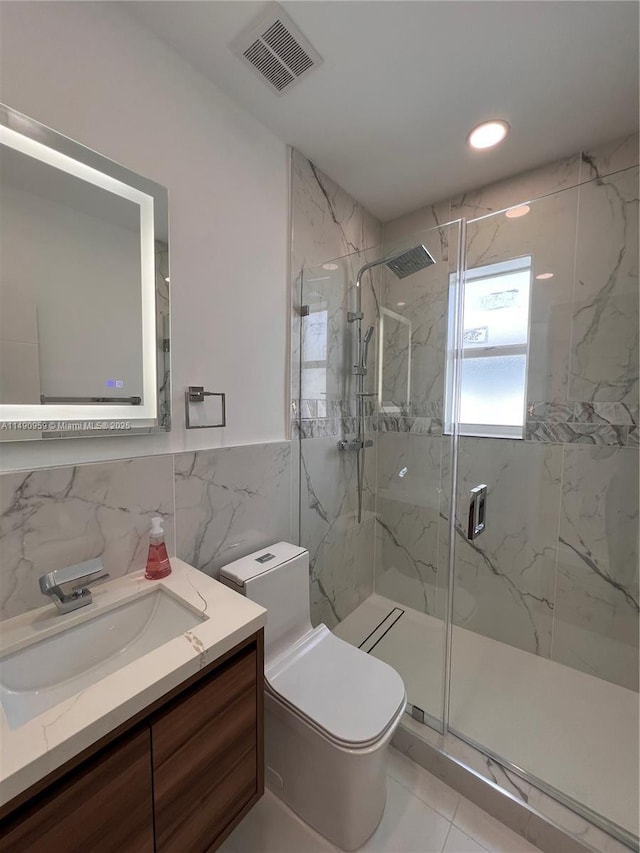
48,671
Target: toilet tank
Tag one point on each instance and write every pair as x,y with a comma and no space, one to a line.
277,577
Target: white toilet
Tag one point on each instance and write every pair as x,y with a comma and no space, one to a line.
331,709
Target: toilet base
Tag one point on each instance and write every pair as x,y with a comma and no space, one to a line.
340,792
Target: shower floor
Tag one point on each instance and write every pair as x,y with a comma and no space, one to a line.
575,732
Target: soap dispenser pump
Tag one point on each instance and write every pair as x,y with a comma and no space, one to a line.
158,565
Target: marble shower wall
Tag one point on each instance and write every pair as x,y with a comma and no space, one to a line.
328,226
556,571
218,505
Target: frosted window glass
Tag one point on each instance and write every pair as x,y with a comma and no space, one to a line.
315,336
493,390
496,310
313,383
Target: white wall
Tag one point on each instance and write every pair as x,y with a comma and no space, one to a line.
91,72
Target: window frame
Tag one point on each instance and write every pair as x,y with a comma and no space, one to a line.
494,270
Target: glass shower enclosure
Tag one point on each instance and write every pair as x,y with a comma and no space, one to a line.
495,565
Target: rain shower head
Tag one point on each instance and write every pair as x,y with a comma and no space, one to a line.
412,260
401,264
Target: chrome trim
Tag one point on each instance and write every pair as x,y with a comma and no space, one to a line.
455,433
196,394
618,832
133,401
69,587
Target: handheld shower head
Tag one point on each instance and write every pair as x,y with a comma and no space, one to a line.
365,352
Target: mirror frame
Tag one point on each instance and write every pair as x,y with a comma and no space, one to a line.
19,422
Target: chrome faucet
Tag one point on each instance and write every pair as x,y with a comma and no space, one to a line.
69,587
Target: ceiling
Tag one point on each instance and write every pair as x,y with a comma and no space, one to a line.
404,81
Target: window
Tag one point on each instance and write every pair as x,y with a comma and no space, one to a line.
314,354
495,348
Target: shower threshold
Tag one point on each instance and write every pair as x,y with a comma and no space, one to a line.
538,715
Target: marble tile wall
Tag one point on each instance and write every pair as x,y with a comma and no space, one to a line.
520,582
556,571
230,502
327,225
218,505
56,517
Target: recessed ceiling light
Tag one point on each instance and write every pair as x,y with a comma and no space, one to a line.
516,212
330,267
488,134
401,304
544,275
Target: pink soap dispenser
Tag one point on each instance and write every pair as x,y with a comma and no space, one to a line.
158,565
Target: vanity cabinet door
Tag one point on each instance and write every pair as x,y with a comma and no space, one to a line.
207,755
103,806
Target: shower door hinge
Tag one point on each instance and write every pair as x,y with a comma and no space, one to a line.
304,310
352,316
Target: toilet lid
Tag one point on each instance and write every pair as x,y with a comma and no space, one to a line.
346,693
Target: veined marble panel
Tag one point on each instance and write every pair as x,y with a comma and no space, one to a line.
422,300
596,619
604,337
319,427
410,424
509,569
326,223
413,225
340,549
547,235
610,157
56,517
577,433
623,414
408,516
231,501
519,189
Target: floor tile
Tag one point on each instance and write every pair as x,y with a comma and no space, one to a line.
271,827
408,825
487,831
422,784
458,842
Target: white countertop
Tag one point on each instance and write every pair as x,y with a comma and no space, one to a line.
33,750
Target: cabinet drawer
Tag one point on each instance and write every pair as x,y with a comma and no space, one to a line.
103,806
205,755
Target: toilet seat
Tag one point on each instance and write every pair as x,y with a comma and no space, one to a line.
343,693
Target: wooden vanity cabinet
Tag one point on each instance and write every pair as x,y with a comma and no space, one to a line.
103,806
177,780
205,758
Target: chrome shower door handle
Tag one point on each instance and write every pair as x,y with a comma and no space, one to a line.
477,516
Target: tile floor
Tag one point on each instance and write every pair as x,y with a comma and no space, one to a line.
423,815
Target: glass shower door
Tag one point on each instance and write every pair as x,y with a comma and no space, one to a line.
414,469
381,583
545,607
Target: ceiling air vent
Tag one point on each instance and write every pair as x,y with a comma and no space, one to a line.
274,47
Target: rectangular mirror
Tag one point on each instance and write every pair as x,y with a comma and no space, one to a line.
84,290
